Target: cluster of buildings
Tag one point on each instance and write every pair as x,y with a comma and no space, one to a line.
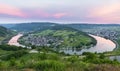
108,34
42,40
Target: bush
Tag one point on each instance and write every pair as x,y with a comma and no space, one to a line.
91,56
73,59
102,56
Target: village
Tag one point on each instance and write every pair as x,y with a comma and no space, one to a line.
108,34
42,40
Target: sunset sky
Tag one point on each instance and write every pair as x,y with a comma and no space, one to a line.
65,11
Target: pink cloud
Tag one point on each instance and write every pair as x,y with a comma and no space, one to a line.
30,13
106,14
10,10
44,14
59,15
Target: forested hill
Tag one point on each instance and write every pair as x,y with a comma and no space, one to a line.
5,34
32,26
7,25
4,31
85,26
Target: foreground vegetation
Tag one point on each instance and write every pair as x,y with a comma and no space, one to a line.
20,59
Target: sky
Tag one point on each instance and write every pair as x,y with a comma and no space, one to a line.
63,11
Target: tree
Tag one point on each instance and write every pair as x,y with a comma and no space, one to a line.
90,56
102,56
12,62
33,47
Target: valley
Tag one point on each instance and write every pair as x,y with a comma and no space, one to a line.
59,46
59,35
103,45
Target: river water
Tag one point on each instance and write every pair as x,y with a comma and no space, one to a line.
115,57
102,45
14,40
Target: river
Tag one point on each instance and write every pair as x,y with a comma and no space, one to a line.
14,40
102,45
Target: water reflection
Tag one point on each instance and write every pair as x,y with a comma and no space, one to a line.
115,58
102,45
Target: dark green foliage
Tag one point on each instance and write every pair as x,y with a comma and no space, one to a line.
16,54
102,56
33,47
91,56
86,53
10,48
12,62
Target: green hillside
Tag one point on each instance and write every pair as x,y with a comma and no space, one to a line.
59,36
4,33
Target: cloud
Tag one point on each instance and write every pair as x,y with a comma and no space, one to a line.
106,14
41,14
37,13
11,10
60,15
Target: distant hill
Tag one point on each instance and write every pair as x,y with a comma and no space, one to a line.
7,25
32,26
91,26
